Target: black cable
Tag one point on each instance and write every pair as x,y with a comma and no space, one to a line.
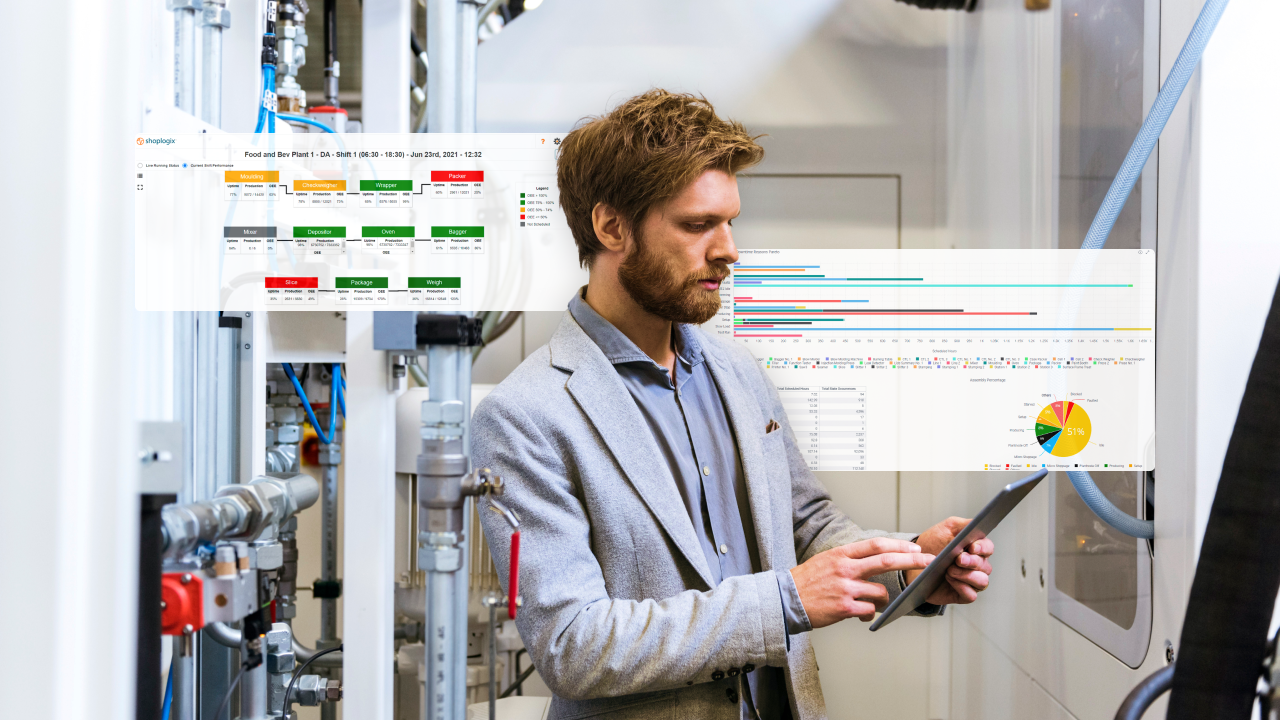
288,693
1145,693
518,683
223,705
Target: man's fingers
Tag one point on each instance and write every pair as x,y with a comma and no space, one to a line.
889,562
877,546
864,611
975,579
973,562
874,593
983,547
966,592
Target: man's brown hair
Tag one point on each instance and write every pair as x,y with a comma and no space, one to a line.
641,154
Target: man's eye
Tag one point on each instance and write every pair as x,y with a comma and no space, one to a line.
696,227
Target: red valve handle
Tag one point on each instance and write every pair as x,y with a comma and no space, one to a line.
513,582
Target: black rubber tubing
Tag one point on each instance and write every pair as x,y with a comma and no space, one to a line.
1224,633
1141,697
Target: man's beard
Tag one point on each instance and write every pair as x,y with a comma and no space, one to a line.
657,284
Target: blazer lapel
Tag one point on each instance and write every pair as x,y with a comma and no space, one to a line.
748,428
594,384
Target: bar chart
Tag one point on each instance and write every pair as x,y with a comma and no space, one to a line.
1012,341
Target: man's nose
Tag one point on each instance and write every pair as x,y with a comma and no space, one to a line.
722,248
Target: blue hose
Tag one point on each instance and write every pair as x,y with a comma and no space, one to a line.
306,121
266,118
168,694
1113,203
306,405
342,385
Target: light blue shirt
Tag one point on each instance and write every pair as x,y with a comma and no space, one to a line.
692,429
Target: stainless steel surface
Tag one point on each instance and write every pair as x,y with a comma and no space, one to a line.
184,55
239,512
468,41
442,52
184,679
214,19
224,634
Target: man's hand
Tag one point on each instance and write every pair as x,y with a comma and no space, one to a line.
968,575
833,585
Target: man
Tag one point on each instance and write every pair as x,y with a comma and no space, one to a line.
677,549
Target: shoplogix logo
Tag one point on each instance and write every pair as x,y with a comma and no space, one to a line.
157,141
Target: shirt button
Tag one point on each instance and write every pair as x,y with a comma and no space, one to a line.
724,549
706,470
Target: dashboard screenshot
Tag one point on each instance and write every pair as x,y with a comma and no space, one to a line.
955,359
319,221
928,360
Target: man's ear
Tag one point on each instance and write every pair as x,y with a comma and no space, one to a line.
609,227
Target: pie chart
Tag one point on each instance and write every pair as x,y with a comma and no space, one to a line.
1063,429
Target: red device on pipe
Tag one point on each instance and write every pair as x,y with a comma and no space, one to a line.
513,581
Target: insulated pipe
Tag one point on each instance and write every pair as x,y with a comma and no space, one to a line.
442,53
1113,203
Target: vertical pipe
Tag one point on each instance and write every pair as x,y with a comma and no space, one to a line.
184,56
215,18
253,691
184,395
468,41
206,404
462,391
331,68
184,686
442,52
329,548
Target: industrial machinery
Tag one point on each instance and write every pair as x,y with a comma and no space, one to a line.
306,539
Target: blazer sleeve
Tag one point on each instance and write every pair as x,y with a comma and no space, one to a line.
817,524
584,643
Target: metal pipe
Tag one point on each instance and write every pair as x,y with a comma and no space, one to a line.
487,10
331,68
184,55
468,40
253,691
442,53
228,400
224,635
184,679
213,21
238,512
328,550
206,404
442,660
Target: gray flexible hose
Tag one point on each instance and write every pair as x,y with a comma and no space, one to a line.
1142,696
1113,203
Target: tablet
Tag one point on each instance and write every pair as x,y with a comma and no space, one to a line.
935,574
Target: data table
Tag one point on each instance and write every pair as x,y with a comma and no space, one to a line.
830,423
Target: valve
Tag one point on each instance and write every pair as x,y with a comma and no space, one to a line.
181,603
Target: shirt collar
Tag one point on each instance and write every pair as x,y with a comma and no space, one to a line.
617,347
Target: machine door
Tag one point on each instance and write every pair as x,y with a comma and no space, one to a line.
1108,78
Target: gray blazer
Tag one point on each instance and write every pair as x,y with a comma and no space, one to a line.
620,615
